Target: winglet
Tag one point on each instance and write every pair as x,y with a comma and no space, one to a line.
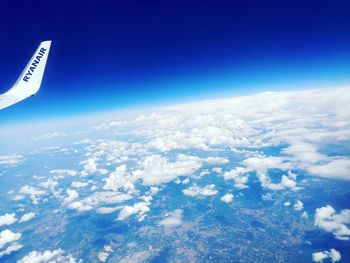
30,80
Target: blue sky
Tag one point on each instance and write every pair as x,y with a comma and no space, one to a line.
124,54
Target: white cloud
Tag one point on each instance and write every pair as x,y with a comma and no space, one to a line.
227,198
195,190
157,169
49,184
261,165
29,190
64,172
106,126
49,135
172,219
103,256
335,168
90,167
11,248
47,256
332,254
238,175
216,160
287,203
71,196
76,184
298,206
98,199
139,208
329,220
8,219
120,179
107,210
7,236
10,160
27,217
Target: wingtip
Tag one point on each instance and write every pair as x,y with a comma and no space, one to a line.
47,42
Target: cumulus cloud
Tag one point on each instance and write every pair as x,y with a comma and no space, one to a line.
90,167
11,248
227,198
30,190
239,176
49,135
50,184
47,256
7,236
76,184
103,256
27,217
120,179
71,196
298,206
8,219
106,126
157,169
64,172
107,210
172,219
195,190
332,254
96,200
139,208
10,160
329,220
261,165
334,168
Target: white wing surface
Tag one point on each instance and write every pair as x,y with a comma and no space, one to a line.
30,80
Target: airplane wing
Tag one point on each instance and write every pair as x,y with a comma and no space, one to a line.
29,81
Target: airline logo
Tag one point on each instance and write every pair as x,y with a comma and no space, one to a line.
34,65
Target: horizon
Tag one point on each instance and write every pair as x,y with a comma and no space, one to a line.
120,56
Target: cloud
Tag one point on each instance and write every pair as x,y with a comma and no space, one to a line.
216,160
120,179
64,172
11,248
332,254
195,190
227,198
49,135
29,190
139,208
8,219
329,220
71,196
335,168
298,206
97,199
47,256
76,184
106,126
103,256
90,167
7,236
50,184
33,192
172,219
156,169
10,160
238,175
27,217
107,210
286,204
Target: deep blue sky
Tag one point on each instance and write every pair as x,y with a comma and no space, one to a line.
122,54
